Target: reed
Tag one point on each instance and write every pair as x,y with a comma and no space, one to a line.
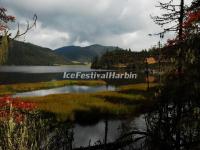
137,87
99,104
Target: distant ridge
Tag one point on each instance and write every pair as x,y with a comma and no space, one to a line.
83,54
21,53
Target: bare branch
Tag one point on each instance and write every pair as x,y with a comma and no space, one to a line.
28,27
174,15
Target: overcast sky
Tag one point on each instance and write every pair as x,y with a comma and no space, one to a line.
123,23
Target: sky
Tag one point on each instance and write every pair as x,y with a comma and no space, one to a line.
123,23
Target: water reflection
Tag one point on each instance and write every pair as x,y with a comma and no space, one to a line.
66,89
45,69
85,135
96,134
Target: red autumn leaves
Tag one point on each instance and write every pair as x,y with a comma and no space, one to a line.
190,25
12,107
16,103
4,19
192,18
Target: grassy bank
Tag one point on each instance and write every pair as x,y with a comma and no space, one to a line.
137,87
23,87
90,106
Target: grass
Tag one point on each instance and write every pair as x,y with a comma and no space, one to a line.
90,106
117,97
69,104
126,101
23,87
137,87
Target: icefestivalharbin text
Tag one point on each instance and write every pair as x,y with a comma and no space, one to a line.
99,75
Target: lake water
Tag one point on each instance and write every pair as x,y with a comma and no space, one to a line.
44,69
66,89
25,74
94,133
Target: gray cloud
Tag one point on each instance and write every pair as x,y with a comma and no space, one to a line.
124,23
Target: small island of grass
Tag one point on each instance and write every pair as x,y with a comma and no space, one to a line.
11,89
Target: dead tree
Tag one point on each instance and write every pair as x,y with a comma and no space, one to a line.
172,21
5,36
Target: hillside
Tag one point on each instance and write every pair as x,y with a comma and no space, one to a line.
21,53
83,54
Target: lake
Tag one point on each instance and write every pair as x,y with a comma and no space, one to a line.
93,133
44,69
25,74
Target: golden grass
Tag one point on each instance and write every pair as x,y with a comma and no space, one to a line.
117,97
68,104
23,87
111,103
137,87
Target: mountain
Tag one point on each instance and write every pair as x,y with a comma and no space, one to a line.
83,54
21,53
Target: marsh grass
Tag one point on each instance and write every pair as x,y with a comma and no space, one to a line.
125,101
23,87
122,98
88,106
67,105
137,87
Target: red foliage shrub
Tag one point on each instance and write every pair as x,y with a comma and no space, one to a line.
192,18
12,107
16,103
4,18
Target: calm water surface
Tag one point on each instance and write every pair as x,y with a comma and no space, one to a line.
44,69
83,135
25,74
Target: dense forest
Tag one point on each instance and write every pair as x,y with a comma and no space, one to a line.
124,59
118,58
